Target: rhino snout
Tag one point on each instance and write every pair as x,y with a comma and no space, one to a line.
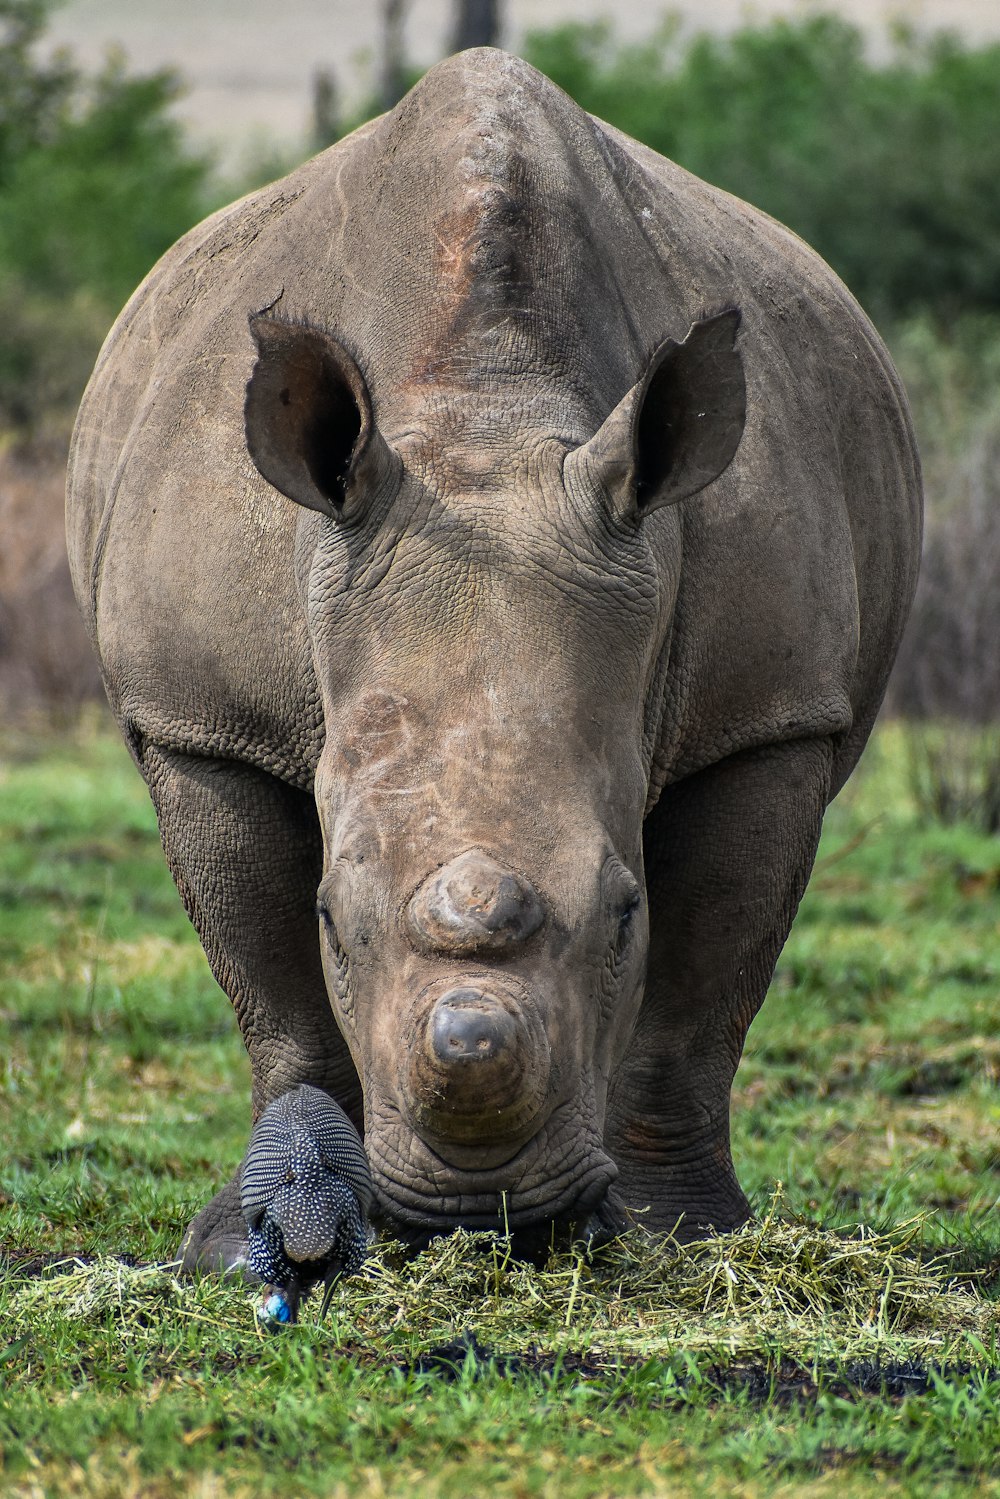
478,1065
473,906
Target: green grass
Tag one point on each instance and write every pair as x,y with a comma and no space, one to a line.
745,1365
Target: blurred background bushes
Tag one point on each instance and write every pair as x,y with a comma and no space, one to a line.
96,181
885,165
887,161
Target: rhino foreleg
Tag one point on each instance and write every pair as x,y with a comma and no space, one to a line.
728,853
245,852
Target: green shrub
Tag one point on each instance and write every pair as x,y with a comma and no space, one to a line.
96,181
110,187
888,167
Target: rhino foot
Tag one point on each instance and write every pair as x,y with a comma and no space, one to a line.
215,1242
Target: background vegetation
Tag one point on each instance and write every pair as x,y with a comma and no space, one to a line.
96,182
884,165
887,166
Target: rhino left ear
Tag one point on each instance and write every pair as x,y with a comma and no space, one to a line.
308,418
679,427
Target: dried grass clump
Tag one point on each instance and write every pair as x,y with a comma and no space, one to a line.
790,1285
89,1291
774,1288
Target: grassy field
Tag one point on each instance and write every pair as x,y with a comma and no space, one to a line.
846,1340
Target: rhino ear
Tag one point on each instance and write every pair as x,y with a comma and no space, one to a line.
308,419
679,427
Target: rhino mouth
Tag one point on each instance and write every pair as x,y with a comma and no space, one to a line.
553,1189
531,1242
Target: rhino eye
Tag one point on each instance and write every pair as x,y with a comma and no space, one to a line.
623,896
330,933
341,978
628,911
625,919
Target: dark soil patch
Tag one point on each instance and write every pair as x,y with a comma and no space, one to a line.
451,1359
788,1384
26,1264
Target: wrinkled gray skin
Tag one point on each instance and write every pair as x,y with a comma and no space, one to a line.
607,524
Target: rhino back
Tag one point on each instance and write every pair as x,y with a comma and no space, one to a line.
498,262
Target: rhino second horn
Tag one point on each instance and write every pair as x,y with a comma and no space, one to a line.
473,907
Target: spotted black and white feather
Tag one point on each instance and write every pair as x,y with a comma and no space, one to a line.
305,1192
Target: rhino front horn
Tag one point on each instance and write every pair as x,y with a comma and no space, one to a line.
473,907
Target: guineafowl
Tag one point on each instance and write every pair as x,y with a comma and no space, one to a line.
305,1193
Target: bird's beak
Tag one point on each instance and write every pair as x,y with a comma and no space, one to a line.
278,1306
329,1283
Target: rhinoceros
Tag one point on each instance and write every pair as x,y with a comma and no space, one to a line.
495,541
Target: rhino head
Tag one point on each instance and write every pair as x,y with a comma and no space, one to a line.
490,607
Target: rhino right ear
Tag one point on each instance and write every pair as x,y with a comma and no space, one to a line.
308,418
678,429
